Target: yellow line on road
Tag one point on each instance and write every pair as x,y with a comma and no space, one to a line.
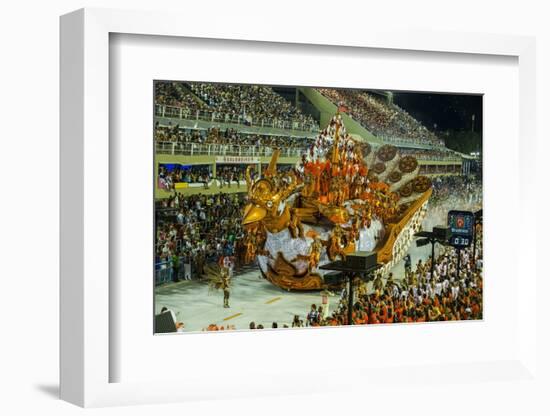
273,300
232,316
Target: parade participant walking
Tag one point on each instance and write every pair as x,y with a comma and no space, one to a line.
225,287
219,278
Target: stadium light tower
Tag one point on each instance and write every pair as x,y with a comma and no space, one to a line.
439,235
350,270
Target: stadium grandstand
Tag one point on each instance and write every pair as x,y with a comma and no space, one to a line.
206,133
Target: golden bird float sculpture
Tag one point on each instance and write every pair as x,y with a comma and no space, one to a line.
342,197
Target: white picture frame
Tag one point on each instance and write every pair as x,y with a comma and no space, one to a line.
85,353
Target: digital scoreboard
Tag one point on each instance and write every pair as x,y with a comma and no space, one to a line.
461,224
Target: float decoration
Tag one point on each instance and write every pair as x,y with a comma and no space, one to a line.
342,197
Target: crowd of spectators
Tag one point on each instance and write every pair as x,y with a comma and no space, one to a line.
225,175
453,192
229,139
176,94
232,141
204,228
248,104
429,154
449,295
381,118
167,178
252,102
175,134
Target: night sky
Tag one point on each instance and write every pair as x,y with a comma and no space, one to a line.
445,111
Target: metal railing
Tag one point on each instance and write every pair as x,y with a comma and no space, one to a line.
449,158
439,169
164,272
214,149
162,110
410,141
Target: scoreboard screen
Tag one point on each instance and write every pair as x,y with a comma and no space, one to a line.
461,224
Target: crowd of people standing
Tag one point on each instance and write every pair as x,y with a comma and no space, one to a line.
247,104
429,154
453,192
197,230
226,175
228,137
380,117
176,94
451,294
252,102
169,177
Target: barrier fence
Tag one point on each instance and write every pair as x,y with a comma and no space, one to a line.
164,272
212,149
410,141
162,110
439,158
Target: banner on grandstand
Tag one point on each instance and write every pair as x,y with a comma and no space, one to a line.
181,185
237,159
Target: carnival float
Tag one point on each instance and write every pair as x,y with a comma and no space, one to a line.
342,197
